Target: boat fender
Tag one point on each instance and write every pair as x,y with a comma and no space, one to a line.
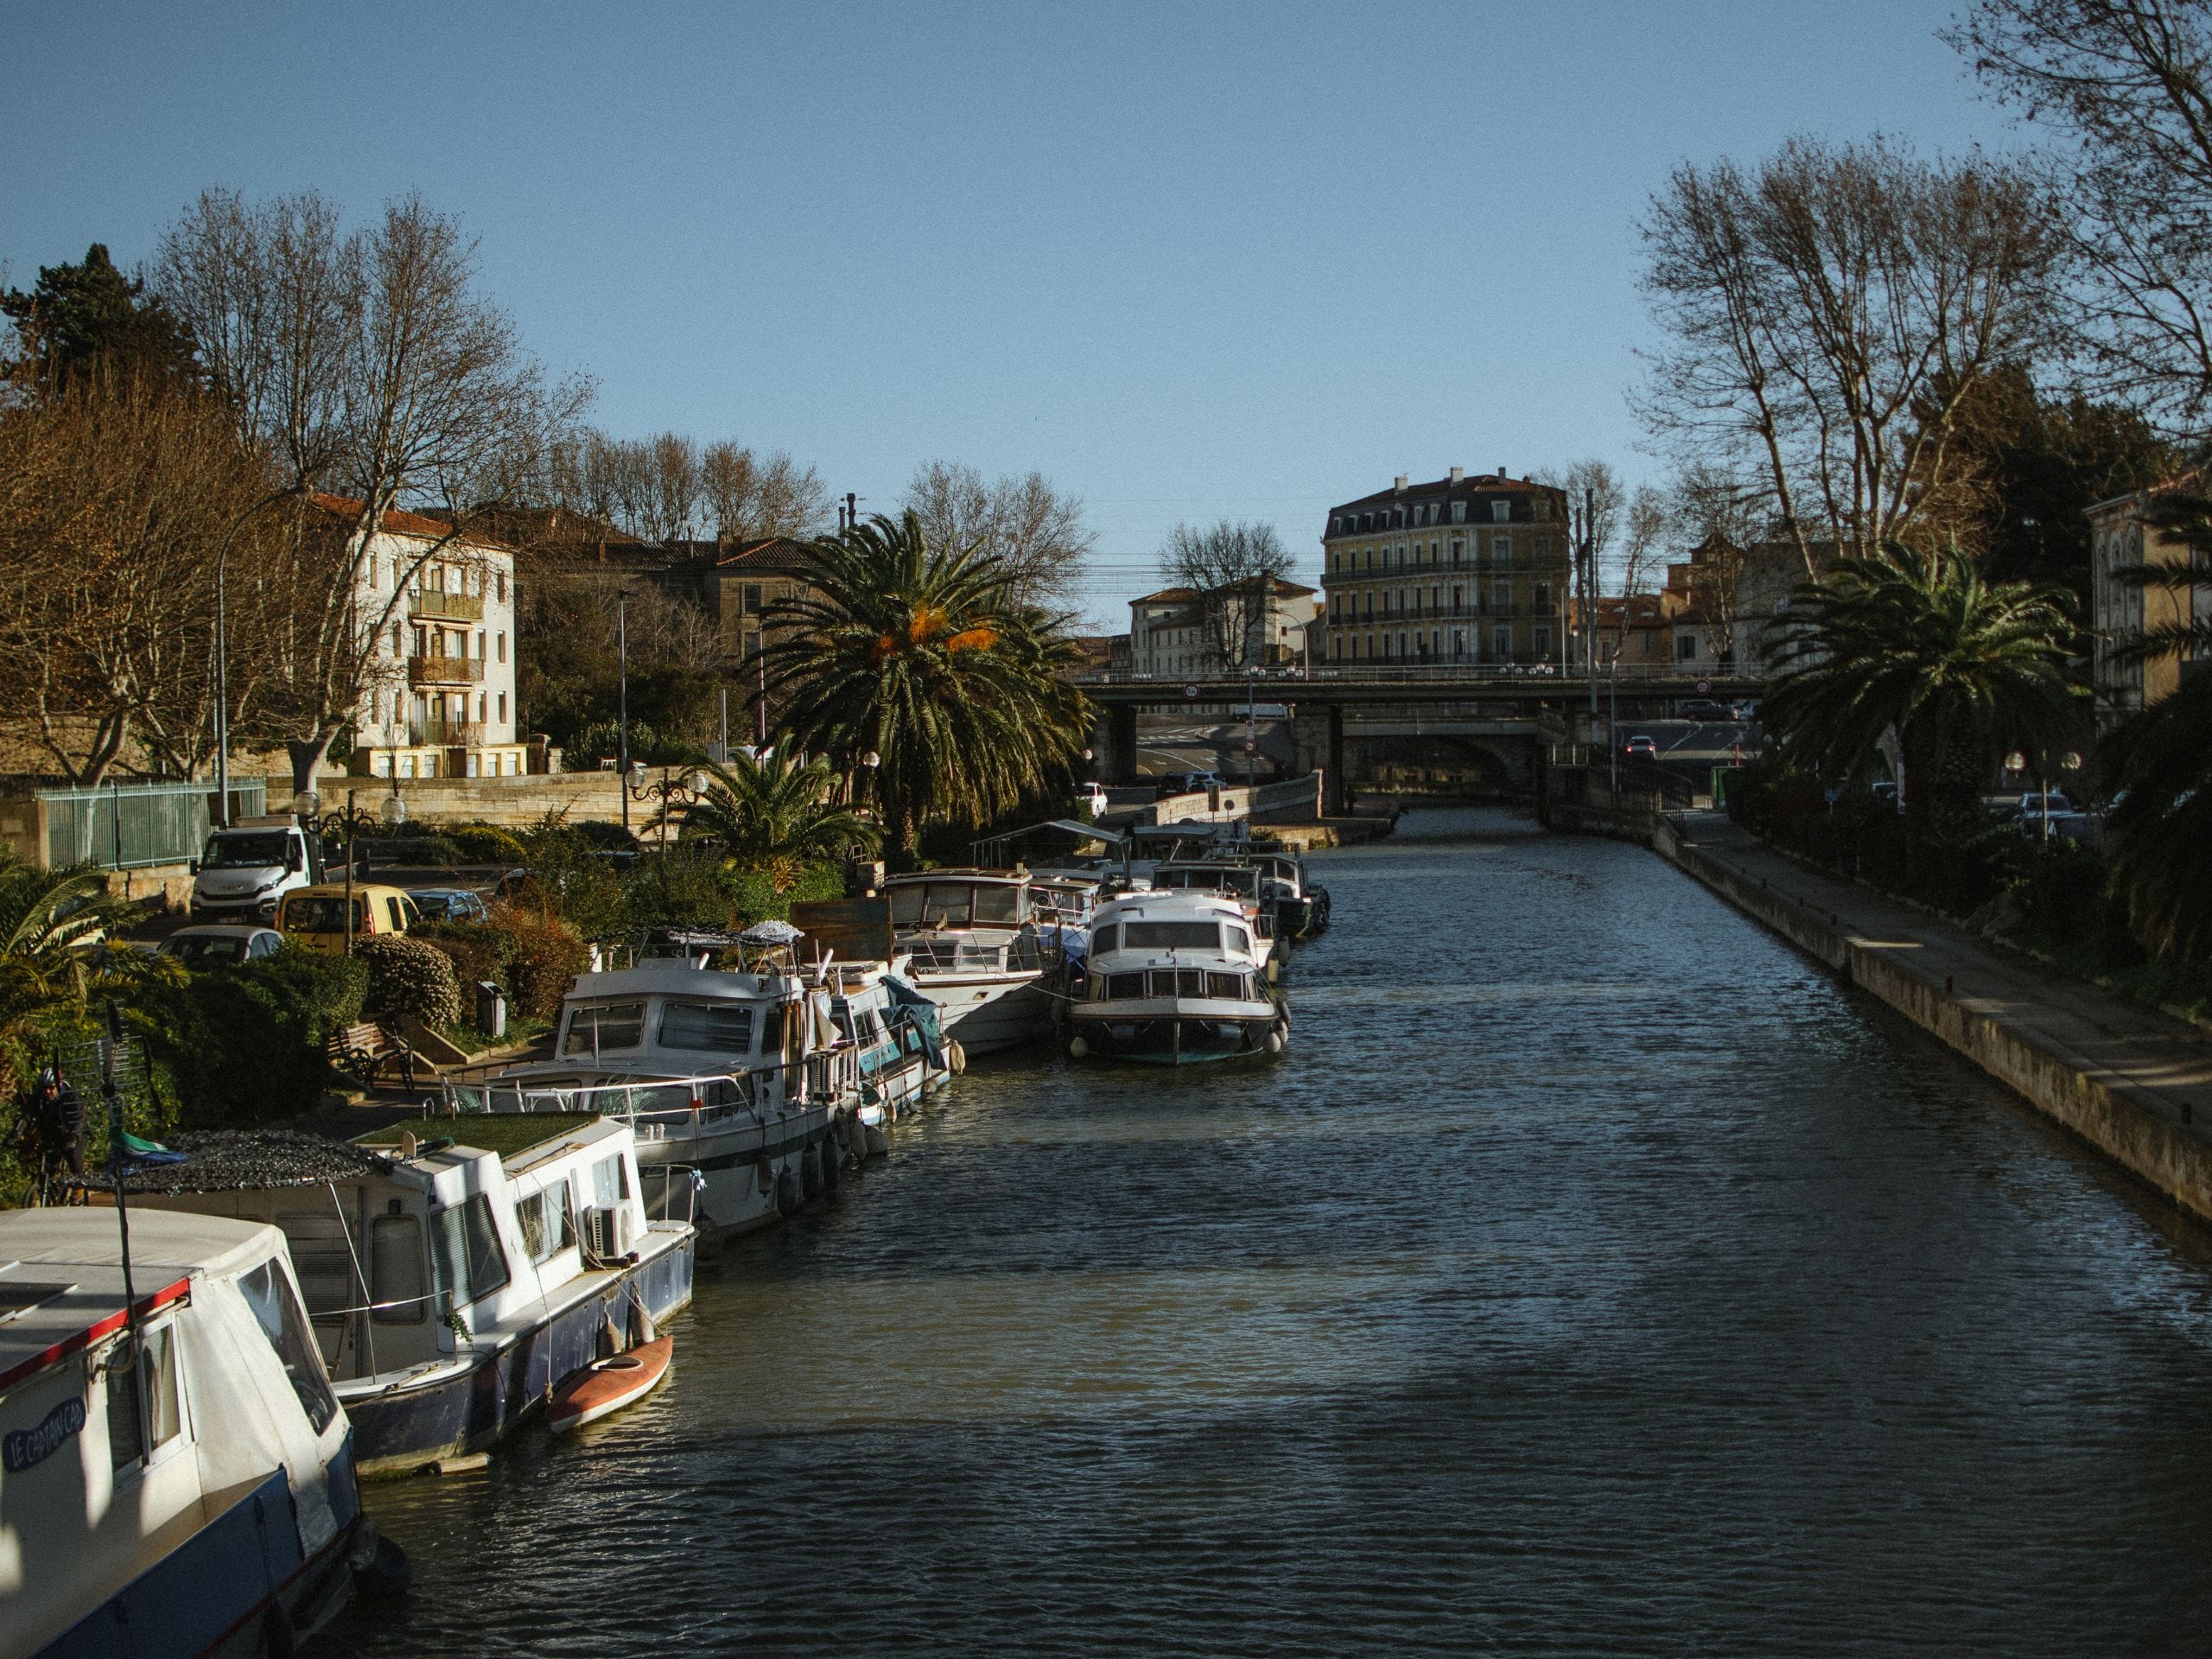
386,1573
765,1172
833,1158
1275,1042
810,1173
857,1137
1077,1048
955,1058
788,1196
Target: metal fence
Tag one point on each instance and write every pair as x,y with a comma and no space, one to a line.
132,826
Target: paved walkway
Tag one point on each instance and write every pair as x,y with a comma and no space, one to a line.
2161,1063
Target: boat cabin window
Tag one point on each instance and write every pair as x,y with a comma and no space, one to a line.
546,1228
268,1291
156,1373
610,1182
616,1024
1240,941
467,1260
1124,986
1106,939
1168,935
1224,985
322,1256
906,904
717,1027
1188,982
945,906
396,1269
772,1029
998,905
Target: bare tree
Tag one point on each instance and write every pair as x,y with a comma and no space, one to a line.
1829,313
1233,568
2126,86
115,494
1035,532
370,367
749,497
1595,502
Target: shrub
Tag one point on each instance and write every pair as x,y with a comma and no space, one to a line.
546,955
478,952
486,844
410,976
244,1045
755,896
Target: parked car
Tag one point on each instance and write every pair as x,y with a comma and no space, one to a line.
2035,800
1707,712
220,942
1640,748
1092,799
450,904
316,917
245,871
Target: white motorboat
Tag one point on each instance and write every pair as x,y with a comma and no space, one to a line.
983,952
179,1482
456,1270
753,1084
1176,977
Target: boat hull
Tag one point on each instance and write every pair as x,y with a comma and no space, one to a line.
985,1012
403,1425
1162,1031
221,1589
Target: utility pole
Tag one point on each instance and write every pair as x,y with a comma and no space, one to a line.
1590,594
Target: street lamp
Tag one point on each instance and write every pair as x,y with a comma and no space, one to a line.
350,822
622,665
684,791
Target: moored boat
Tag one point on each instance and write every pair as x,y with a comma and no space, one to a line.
604,1386
455,1270
1176,977
178,1474
978,953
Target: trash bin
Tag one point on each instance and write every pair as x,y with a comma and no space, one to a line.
490,1009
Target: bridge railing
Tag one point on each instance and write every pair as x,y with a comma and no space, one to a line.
1214,687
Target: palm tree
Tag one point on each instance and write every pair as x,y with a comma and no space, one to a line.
2161,757
922,659
1919,646
52,925
772,813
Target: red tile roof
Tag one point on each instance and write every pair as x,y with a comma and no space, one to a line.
398,521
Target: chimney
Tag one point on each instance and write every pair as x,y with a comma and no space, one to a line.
1458,473
1399,483
1501,473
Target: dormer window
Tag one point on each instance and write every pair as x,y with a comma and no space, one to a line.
1458,512
1501,512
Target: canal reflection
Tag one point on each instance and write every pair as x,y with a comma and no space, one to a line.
1592,1275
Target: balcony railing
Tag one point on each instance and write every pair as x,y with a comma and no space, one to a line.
445,670
460,608
456,733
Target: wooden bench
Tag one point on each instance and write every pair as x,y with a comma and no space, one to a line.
365,1048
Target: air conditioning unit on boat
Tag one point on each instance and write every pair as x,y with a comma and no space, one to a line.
607,1232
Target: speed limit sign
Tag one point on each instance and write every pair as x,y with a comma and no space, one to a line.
1190,690
1703,686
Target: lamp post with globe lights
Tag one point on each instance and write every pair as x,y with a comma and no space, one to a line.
682,791
348,821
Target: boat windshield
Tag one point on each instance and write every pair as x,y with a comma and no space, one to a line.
277,1310
998,906
717,1027
937,904
1168,935
612,1024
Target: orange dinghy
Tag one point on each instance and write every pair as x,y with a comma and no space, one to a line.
607,1385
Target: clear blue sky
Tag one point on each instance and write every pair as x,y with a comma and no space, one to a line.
1189,261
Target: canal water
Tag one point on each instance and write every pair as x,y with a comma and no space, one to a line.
1592,1276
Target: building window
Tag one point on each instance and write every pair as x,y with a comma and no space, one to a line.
1456,601
1685,647
1540,641
1501,596
1544,547
503,708
1501,642
1501,511
1543,598
503,646
1458,512
1459,551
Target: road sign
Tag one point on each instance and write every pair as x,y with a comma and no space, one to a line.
1703,686
1190,690
1251,745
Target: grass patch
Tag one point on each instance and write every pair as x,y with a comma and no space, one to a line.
507,1134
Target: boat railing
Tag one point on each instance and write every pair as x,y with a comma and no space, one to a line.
1026,954
650,1107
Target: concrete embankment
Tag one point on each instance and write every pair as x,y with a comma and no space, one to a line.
2133,1082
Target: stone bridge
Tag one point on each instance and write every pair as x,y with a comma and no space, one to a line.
1345,722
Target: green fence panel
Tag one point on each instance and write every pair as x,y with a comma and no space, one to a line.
133,826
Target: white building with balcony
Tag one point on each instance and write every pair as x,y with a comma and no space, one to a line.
438,698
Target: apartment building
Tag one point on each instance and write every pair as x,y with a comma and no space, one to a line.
439,696
1466,570
1255,623
2121,611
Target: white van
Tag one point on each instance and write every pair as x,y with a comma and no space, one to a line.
247,868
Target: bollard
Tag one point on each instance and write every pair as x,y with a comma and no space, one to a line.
490,1009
